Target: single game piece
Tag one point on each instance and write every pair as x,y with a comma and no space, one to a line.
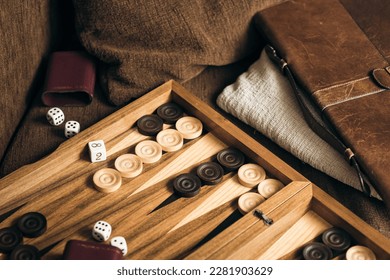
336,239
129,165
317,251
107,180
359,252
189,127
32,224
85,250
249,201
269,187
25,252
250,174
210,173
97,151
150,125
170,140
149,151
170,112
101,231
10,237
231,159
71,128
119,242
187,185
55,116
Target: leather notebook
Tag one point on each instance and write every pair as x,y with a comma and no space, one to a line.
338,53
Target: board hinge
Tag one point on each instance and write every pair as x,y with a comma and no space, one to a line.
259,214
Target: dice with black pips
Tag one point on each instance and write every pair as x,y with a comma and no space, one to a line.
101,231
55,116
71,128
119,242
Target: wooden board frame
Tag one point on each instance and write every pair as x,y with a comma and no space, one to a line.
251,238
70,159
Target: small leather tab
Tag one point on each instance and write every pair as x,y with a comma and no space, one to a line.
271,52
382,77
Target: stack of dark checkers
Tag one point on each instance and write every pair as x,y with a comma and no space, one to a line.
231,159
336,243
187,185
170,112
150,125
29,225
179,181
208,173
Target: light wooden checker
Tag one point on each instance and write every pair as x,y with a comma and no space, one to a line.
107,180
360,253
179,226
129,165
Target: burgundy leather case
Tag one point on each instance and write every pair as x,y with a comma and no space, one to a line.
70,79
85,250
339,53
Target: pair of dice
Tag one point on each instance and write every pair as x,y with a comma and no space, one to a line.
56,116
101,232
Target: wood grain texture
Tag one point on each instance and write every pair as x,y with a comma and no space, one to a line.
139,225
82,204
60,187
32,180
228,190
308,227
336,214
249,236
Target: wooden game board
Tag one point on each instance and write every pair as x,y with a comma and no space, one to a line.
206,226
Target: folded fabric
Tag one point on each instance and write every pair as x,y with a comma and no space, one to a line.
142,44
263,98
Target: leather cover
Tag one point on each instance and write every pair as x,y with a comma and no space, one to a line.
342,62
85,250
70,79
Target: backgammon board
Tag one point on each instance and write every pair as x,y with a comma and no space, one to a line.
155,221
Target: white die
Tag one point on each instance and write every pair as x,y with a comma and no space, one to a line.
97,151
55,116
119,242
71,128
101,231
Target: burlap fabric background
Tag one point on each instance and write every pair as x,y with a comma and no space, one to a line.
142,44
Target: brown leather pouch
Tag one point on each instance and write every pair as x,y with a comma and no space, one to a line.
339,67
85,250
70,79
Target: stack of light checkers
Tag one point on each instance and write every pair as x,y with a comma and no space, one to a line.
336,243
150,151
208,173
251,175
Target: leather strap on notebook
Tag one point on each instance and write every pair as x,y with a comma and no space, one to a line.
315,122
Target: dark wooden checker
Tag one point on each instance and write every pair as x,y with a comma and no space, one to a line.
207,225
